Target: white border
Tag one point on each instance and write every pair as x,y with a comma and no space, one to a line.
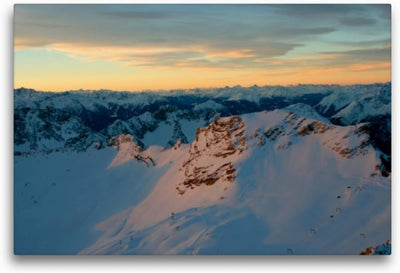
11,263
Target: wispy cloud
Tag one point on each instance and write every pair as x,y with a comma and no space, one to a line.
358,21
136,15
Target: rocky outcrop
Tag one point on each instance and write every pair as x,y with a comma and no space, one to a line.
127,150
209,158
382,249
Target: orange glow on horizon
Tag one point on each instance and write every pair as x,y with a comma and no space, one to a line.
186,79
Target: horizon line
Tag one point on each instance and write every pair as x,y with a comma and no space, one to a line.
199,88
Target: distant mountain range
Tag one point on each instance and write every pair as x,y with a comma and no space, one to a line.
46,121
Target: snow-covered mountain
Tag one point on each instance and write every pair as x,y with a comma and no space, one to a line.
285,181
358,103
74,120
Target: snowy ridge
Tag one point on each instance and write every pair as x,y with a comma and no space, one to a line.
285,129
307,111
353,105
208,105
127,150
336,96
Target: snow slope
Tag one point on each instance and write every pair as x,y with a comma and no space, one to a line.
60,197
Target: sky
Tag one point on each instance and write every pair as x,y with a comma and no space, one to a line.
154,47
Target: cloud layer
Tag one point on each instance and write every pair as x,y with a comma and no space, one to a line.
289,37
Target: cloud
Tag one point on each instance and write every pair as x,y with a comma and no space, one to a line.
312,11
136,15
363,55
210,36
299,32
371,66
196,56
376,43
384,11
228,26
350,61
358,21
206,57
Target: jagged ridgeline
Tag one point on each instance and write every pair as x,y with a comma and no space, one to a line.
76,120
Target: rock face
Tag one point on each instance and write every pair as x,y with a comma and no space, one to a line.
127,150
209,158
382,249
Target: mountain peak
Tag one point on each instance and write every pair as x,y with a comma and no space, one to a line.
211,153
